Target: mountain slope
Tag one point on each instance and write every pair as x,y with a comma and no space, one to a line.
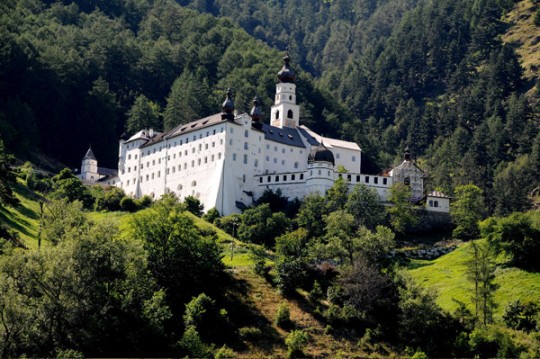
525,36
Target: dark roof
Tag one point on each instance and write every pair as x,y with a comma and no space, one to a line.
321,154
286,135
107,171
310,139
89,155
187,128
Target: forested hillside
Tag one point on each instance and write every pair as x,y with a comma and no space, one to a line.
432,75
77,72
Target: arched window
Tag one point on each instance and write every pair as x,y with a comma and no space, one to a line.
290,114
277,115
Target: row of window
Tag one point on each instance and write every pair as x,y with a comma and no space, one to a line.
366,179
283,178
173,169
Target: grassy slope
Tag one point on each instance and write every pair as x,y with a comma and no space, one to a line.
525,36
447,275
24,218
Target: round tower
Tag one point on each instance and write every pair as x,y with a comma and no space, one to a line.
89,167
320,171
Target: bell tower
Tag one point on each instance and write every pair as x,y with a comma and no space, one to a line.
285,112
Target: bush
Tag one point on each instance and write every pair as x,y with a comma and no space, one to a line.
211,215
144,202
249,333
521,316
283,316
128,204
225,353
193,205
537,18
192,344
296,342
316,293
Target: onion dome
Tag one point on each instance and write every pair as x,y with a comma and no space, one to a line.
89,154
256,114
321,154
286,74
407,154
228,104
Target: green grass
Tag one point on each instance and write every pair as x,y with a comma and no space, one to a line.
25,217
447,275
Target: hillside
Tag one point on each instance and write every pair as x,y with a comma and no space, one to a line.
525,36
447,275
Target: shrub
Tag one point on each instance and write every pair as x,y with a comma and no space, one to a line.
192,344
316,293
537,18
211,215
193,205
283,316
144,202
128,204
296,342
249,333
521,316
224,353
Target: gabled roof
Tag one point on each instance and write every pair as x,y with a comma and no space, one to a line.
437,194
315,139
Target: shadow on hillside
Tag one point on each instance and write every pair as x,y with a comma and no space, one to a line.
242,313
21,225
415,264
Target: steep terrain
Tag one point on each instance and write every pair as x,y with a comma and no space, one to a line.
524,35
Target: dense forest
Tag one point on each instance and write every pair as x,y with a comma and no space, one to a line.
431,75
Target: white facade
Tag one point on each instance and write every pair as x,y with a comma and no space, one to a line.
228,160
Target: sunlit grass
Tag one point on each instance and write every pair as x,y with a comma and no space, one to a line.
447,275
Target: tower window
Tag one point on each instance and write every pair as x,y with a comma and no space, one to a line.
289,114
277,115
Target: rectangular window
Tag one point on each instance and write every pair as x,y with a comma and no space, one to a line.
234,156
384,181
376,180
357,178
292,177
193,163
199,162
301,176
269,179
354,158
277,178
349,178
212,158
260,179
367,179
285,178
159,174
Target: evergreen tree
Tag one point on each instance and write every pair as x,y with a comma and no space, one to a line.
143,114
